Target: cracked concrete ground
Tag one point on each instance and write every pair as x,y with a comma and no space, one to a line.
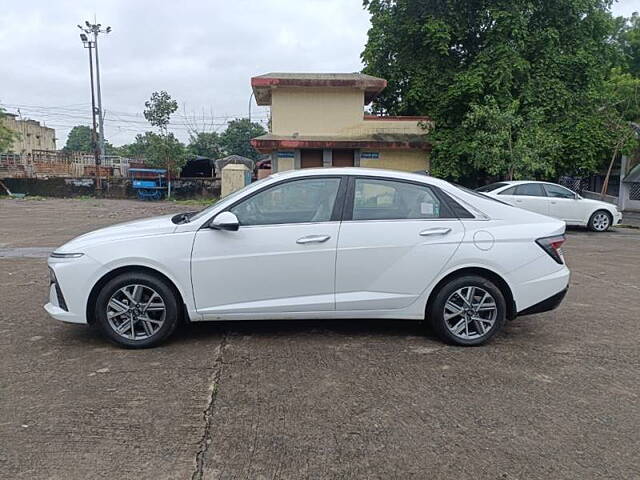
554,396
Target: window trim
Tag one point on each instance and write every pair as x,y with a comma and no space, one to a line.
347,212
335,214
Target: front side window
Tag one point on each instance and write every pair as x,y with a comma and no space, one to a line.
390,200
530,190
556,191
298,201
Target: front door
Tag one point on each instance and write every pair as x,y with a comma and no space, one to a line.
394,241
563,204
311,158
281,259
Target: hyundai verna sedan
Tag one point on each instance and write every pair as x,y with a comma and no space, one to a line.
556,201
317,244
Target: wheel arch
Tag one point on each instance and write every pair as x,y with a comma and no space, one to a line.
95,290
482,272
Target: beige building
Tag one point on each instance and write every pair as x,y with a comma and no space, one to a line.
32,136
318,120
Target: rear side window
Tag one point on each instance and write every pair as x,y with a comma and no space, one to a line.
390,200
508,191
530,190
491,187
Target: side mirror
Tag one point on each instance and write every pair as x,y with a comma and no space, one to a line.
225,221
577,197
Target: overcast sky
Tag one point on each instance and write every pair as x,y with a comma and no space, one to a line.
202,52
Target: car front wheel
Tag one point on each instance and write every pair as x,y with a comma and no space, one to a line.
600,221
136,310
468,310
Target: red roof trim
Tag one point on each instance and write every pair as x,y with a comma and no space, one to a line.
270,145
398,118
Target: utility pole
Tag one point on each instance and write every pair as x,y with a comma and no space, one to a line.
88,44
96,29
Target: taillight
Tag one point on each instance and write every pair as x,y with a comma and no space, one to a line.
553,246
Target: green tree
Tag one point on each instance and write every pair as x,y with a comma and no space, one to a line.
235,139
205,144
7,136
542,64
165,149
80,139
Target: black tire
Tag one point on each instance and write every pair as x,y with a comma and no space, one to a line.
595,220
436,310
160,286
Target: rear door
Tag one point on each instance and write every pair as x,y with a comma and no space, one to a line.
395,238
530,196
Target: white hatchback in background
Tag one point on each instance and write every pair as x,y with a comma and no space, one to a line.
556,201
322,244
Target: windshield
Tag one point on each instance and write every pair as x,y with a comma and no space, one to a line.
478,193
491,187
231,196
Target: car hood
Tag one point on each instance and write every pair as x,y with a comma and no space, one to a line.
136,228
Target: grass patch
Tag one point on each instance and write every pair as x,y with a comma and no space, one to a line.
199,202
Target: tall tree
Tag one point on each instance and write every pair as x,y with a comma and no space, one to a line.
542,65
205,144
7,136
235,139
165,149
80,139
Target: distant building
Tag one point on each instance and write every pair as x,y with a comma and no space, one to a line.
318,120
32,136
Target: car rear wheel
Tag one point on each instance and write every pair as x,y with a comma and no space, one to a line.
600,221
137,310
468,310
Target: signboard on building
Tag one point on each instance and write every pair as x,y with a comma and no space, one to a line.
286,154
370,155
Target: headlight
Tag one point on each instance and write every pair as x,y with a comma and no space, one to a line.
66,255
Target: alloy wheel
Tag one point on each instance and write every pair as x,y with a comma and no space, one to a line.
470,312
600,221
136,312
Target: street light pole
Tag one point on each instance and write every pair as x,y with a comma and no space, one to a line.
94,144
95,29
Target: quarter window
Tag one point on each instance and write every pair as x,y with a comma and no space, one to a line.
390,200
299,201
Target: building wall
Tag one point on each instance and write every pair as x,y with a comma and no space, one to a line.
33,136
306,110
406,160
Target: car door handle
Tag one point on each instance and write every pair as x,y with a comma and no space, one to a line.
313,239
519,201
435,231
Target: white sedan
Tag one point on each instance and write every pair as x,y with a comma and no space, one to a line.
320,244
556,201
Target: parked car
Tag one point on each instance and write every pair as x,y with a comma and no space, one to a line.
556,201
320,244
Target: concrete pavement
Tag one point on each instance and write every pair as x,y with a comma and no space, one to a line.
554,396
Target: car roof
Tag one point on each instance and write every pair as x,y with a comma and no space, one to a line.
361,171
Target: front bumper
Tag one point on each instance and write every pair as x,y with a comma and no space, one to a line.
545,305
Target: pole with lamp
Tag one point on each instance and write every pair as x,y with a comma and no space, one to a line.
88,44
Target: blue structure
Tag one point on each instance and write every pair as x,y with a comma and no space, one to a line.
149,183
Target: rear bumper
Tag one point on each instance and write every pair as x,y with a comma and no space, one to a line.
545,305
